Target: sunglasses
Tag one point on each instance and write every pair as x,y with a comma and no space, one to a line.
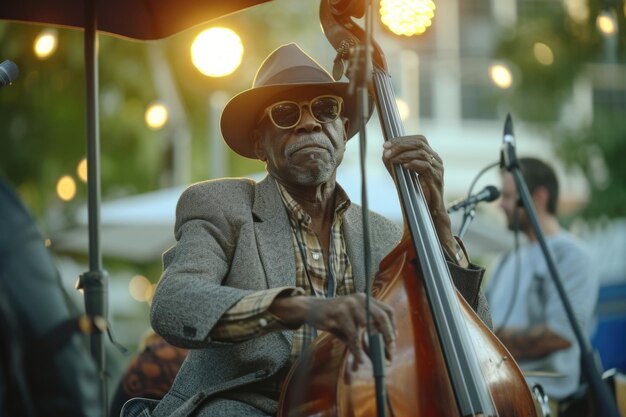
287,114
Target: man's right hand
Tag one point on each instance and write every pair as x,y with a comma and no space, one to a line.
344,317
533,342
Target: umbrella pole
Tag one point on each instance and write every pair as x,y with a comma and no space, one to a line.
94,282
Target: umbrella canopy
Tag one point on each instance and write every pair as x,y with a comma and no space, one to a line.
135,19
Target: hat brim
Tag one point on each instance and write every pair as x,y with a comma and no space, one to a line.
240,115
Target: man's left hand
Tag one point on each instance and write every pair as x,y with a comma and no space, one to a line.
415,154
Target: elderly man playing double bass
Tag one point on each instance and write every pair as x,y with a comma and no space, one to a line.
260,268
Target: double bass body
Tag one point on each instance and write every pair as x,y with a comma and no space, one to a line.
323,384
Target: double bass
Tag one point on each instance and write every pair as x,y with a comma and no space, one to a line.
447,362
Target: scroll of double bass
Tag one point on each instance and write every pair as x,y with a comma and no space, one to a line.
447,362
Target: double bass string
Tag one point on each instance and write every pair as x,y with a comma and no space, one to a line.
461,364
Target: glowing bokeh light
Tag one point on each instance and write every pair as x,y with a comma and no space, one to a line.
577,10
543,53
46,43
407,17
501,75
81,170
66,188
138,286
607,23
217,52
156,116
150,293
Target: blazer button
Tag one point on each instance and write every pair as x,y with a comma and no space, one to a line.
261,373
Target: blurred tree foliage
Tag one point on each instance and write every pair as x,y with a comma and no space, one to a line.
42,115
541,92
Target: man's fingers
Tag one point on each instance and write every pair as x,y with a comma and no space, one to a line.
346,318
354,346
383,322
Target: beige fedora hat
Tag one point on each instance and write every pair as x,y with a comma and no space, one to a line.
286,68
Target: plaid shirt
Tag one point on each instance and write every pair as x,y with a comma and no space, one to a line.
250,316
312,274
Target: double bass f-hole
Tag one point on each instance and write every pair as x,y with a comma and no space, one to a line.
447,362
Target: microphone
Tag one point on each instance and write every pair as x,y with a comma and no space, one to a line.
8,73
508,159
489,193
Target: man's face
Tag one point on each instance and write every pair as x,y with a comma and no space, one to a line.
307,153
515,215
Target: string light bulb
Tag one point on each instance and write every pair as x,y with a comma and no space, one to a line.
606,22
156,116
407,17
501,75
46,43
217,52
66,188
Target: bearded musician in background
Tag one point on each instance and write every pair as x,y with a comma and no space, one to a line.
528,314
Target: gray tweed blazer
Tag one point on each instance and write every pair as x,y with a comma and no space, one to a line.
234,238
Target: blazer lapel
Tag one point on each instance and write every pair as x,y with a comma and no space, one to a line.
273,235
354,247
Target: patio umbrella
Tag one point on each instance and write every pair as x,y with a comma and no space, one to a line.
134,19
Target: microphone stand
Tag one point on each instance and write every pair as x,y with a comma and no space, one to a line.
94,283
468,216
361,70
509,161
376,343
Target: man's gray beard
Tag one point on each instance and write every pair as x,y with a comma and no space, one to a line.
514,227
515,223
314,176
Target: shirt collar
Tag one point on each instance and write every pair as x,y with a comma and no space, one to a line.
297,214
